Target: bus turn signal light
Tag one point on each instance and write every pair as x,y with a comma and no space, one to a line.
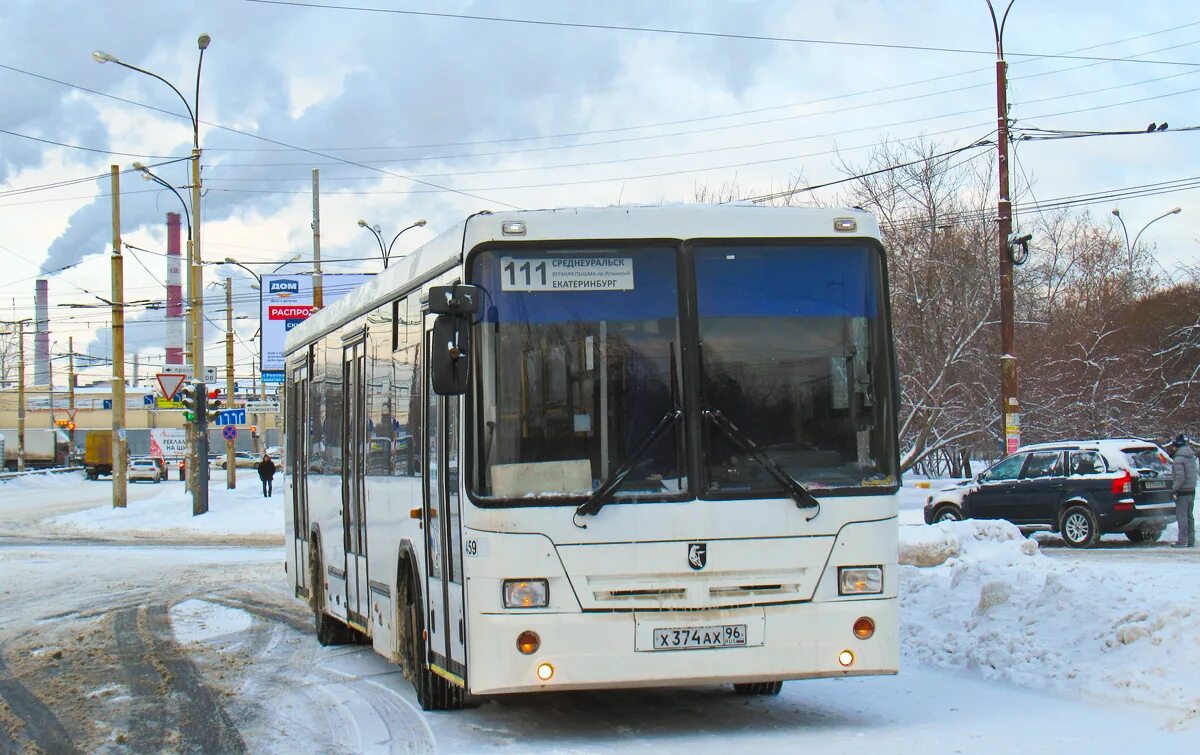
864,627
528,642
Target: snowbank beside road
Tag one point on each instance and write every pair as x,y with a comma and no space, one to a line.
242,514
979,596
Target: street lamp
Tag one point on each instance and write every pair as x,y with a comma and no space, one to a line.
257,277
195,272
1130,247
386,251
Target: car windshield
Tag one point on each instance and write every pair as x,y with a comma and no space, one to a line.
1148,459
795,353
579,361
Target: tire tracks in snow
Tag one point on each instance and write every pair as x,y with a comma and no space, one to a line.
172,707
41,727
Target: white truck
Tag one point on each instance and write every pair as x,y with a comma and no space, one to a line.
43,448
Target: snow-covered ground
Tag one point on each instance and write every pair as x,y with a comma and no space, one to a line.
979,597
161,511
1005,649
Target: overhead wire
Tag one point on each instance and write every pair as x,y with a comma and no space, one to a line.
693,33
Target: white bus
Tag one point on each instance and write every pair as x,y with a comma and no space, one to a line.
605,448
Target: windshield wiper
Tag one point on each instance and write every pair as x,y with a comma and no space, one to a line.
604,493
799,494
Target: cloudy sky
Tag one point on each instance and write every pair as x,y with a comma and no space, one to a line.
422,109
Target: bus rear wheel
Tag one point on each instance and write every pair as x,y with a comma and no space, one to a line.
762,689
433,691
330,631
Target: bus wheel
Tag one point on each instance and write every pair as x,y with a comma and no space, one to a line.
330,631
765,689
433,692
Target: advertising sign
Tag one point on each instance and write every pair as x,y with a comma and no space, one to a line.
286,301
168,443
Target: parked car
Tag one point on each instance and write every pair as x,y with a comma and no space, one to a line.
161,462
1081,489
144,469
240,459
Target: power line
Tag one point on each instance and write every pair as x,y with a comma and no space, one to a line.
86,149
706,34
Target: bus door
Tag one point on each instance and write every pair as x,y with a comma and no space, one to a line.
441,516
297,426
354,504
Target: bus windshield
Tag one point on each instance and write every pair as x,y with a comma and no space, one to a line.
794,350
577,363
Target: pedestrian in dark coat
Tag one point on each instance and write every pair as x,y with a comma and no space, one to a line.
1184,471
266,473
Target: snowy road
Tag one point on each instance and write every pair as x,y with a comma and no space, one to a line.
120,648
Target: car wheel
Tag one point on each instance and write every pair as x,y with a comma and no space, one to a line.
948,513
1147,533
1079,527
766,689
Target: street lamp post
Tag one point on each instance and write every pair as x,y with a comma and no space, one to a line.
386,251
1130,247
196,272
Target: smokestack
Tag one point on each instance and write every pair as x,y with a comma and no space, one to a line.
41,339
174,294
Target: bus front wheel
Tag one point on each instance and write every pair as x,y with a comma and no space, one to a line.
433,691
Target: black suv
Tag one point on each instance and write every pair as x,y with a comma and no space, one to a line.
1081,489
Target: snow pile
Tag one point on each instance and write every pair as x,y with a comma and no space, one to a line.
12,487
990,540
242,512
978,596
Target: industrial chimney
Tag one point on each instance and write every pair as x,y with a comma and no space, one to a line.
174,296
41,339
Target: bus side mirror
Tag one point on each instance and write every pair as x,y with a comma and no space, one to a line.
460,299
449,355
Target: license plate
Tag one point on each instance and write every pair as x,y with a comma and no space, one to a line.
689,638
1154,485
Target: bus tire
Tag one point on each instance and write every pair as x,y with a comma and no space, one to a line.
330,631
763,689
433,691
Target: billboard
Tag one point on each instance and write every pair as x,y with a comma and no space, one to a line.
285,301
168,443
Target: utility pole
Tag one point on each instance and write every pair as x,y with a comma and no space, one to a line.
119,442
230,450
318,294
1010,406
71,388
21,396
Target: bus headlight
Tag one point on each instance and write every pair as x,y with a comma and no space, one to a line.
860,580
526,593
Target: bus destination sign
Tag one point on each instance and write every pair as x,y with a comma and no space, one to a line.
567,274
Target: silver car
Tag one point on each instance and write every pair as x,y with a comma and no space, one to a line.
144,469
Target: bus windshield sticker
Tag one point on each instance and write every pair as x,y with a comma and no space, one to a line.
566,274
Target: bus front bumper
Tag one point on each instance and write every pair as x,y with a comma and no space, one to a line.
614,650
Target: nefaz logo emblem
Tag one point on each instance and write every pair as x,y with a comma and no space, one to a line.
697,555
284,287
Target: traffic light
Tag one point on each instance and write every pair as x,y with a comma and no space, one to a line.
214,406
189,396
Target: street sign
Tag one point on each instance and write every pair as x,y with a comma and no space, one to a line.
273,377
229,433
163,403
232,417
106,403
148,399
262,407
169,382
